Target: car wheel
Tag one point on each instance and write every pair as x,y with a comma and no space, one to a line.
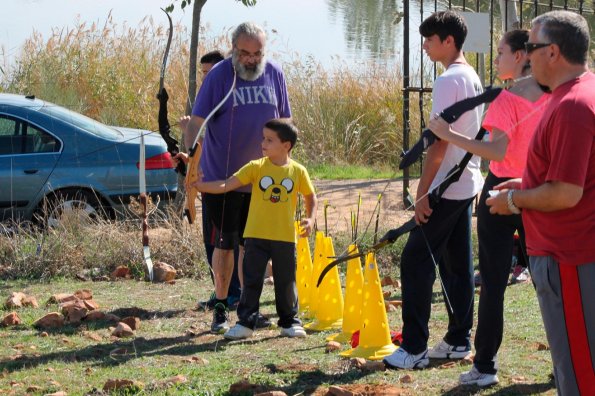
82,205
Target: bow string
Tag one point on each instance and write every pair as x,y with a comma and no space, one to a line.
194,154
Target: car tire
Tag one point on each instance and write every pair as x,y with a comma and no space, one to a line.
82,203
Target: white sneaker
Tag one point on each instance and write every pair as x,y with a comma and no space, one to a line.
238,332
404,360
474,377
295,331
444,350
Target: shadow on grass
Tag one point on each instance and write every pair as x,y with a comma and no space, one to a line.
513,389
307,381
117,352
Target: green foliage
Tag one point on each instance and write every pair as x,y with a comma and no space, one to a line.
345,172
173,339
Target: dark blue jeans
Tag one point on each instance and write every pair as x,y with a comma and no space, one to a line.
448,232
496,239
257,254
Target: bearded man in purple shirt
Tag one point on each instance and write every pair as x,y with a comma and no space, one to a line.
232,139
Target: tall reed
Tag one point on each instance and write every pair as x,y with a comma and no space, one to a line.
111,73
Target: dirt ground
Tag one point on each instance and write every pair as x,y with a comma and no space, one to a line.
341,196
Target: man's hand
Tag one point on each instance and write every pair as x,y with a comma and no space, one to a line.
422,210
183,123
499,203
509,184
180,157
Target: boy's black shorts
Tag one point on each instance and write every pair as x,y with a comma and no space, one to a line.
227,215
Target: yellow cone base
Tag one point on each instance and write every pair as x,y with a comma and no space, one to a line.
374,337
370,353
320,325
340,337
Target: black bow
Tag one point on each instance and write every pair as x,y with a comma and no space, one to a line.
450,115
164,127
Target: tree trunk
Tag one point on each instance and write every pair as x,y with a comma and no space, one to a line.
197,9
191,94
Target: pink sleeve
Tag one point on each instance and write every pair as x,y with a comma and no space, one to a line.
501,115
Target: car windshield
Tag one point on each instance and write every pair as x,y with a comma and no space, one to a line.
81,121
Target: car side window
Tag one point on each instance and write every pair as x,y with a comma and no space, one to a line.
42,142
18,137
11,140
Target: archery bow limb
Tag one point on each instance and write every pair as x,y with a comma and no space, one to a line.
143,201
390,237
192,172
164,126
434,197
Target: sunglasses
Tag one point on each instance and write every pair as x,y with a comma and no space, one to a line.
530,47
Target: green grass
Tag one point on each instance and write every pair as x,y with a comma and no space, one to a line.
346,172
172,332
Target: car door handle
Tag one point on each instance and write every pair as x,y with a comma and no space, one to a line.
31,171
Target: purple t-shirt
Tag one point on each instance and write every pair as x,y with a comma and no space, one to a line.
240,119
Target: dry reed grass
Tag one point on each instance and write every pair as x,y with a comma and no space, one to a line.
111,73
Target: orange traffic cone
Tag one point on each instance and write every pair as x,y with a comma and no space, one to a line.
318,265
303,271
329,312
352,313
374,337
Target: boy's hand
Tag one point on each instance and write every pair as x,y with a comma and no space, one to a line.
199,184
306,227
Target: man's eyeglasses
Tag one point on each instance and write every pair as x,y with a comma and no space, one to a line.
530,47
247,55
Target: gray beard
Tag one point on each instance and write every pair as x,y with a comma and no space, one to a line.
248,74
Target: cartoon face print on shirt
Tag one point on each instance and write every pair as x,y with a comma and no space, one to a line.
275,192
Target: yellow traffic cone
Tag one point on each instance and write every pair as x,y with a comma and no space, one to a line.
329,312
374,336
318,265
303,271
352,313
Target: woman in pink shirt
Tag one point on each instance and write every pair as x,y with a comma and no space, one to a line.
511,121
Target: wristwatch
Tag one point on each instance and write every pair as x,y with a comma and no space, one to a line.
511,206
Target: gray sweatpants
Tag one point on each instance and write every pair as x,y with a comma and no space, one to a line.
566,296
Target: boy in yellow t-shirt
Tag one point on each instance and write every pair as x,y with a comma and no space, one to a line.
269,234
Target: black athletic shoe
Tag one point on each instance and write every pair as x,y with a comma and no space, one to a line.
208,304
220,319
262,322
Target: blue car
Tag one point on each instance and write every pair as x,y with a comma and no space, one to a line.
53,159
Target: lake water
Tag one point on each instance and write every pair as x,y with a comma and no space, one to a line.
350,32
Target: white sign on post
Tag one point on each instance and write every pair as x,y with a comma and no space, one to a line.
478,34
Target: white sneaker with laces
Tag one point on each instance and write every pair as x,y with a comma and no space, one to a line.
238,332
404,360
444,350
295,331
474,377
